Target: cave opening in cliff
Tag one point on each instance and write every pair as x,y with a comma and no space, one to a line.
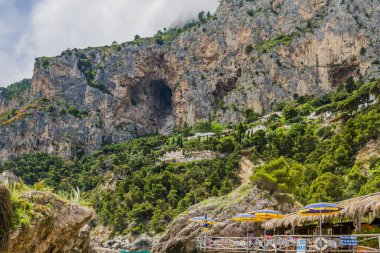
162,105
162,95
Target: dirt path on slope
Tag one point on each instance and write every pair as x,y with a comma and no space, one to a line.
246,170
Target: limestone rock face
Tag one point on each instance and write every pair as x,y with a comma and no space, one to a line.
253,54
55,227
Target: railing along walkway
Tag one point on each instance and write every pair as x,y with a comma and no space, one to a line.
292,243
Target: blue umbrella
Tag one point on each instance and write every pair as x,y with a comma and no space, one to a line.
203,219
320,209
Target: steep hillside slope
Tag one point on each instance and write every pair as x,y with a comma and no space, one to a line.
250,54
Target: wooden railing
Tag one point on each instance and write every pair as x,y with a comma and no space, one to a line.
291,243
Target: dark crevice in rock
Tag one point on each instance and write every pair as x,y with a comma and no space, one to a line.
338,74
225,85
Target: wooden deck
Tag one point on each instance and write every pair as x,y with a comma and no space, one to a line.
292,243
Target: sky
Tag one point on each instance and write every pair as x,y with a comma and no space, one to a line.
34,28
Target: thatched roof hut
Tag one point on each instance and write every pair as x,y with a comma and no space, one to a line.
352,208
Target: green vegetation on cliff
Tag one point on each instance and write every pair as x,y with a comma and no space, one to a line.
309,150
15,89
52,107
128,185
314,158
169,35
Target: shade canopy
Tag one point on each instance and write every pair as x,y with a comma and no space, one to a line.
351,209
245,217
203,219
320,209
267,214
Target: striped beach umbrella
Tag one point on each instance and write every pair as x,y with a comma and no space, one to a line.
320,210
267,214
205,220
245,217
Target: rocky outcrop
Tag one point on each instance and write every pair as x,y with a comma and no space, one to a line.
180,234
55,226
143,242
8,177
252,54
5,216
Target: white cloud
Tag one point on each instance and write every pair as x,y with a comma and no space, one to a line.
54,25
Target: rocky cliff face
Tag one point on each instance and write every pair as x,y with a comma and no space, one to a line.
252,54
56,226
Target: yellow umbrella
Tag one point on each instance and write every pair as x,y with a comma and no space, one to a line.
265,215
246,217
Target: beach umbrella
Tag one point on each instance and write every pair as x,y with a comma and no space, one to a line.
205,220
264,215
267,214
320,210
245,217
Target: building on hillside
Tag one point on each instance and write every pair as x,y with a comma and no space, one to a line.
201,135
180,156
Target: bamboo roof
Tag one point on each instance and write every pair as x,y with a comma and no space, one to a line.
351,208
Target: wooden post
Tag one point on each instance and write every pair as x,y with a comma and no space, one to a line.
247,238
265,235
320,230
275,243
205,246
358,223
